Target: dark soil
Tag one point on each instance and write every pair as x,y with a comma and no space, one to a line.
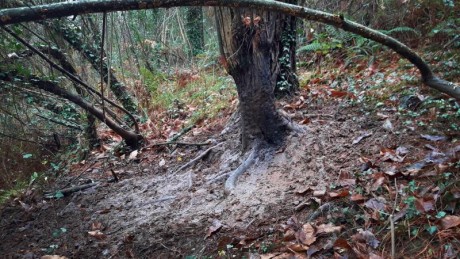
155,211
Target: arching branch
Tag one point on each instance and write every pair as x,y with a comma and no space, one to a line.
41,12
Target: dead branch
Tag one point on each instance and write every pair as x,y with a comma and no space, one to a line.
67,191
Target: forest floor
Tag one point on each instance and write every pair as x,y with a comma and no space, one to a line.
379,158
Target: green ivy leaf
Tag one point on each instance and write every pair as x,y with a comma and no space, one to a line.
431,229
441,214
58,195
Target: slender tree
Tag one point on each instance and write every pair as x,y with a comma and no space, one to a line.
194,27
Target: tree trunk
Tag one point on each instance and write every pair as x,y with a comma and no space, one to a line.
250,42
195,29
92,54
35,13
287,81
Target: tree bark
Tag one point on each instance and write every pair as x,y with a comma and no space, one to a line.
194,26
93,56
251,45
35,13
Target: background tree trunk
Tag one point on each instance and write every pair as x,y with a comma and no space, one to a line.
194,28
287,82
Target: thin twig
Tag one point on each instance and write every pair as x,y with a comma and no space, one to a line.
182,143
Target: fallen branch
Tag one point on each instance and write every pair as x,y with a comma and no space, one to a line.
67,191
200,156
180,134
231,181
40,12
208,142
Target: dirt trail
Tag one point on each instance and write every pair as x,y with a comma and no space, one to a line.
153,212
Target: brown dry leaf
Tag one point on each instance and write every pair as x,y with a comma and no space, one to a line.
450,222
326,229
342,193
297,248
306,235
289,235
390,155
374,256
357,197
424,204
216,226
319,193
305,121
96,226
363,136
340,94
104,211
342,243
345,179
380,180
97,234
53,257
376,203
365,236
275,256
304,190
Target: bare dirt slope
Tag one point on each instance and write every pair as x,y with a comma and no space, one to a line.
308,198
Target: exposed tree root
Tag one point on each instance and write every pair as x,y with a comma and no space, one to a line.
196,159
231,181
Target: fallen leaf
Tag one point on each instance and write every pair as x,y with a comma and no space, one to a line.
345,179
306,235
216,226
376,204
326,229
297,248
53,257
103,211
388,125
162,162
450,222
424,205
357,197
342,243
378,183
374,256
97,234
363,136
305,121
401,151
289,235
133,155
303,191
433,138
342,193
96,226
319,193
365,236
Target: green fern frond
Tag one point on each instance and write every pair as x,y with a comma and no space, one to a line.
314,46
401,30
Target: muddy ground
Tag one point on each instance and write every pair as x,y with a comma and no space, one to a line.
158,211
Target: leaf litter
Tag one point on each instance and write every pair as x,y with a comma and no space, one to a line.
328,193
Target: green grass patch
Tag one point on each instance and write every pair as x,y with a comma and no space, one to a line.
16,190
